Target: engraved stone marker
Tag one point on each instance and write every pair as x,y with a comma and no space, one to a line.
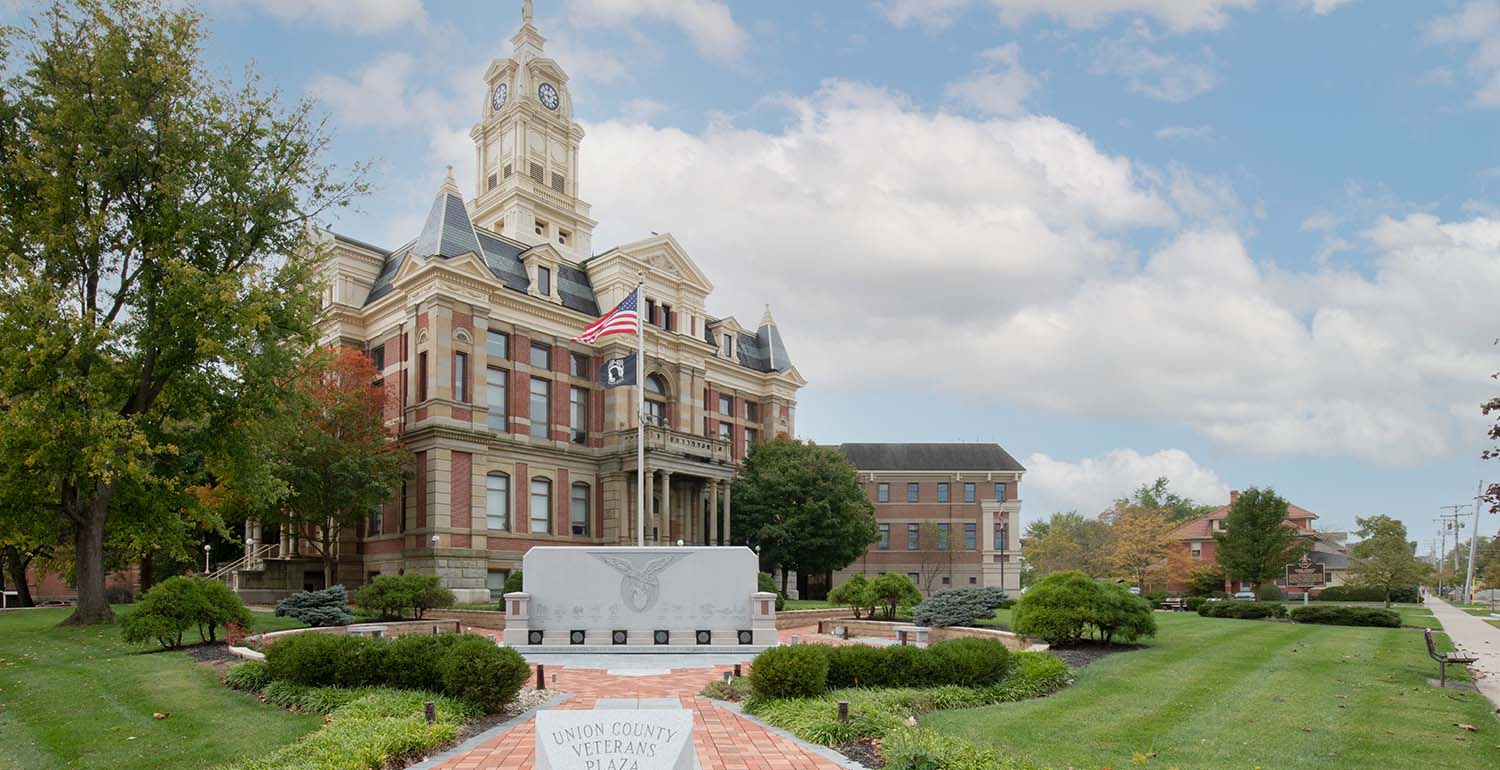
615,739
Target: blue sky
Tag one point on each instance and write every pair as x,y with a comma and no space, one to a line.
1234,242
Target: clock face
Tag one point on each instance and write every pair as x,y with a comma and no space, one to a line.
548,95
497,99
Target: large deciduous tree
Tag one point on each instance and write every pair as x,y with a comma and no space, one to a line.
1068,541
152,252
802,505
1142,543
1257,543
1384,558
337,457
1159,495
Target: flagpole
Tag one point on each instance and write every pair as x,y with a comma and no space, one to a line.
640,417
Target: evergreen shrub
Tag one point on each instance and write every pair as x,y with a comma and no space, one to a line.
180,603
391,596
1243,610
328,607
958,607
1065,607
795,671
1404,594
1347,616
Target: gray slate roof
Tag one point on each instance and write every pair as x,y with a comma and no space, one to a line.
762,351
930,457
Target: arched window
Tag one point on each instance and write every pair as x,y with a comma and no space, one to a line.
578,510
497,501
541,505
656,400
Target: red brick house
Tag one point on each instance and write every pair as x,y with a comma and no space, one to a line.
1196,539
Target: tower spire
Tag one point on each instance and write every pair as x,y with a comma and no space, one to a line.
526,11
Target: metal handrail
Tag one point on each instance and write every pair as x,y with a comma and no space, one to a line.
256,554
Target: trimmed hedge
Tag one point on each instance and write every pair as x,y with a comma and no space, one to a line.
1065,607
796,671
1404,595
391,596
1347,616
961,662
1243,610
464,666
179,603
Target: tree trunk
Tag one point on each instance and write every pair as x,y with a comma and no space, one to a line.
17,567
148,572
88,541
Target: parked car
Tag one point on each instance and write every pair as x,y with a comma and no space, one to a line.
1136,590
1244,596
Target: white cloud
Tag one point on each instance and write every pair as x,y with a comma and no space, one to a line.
1477,24
930,14
1178,15
1002,247
359,16
999,87
640,110
1321,220
1324,7
1092,484
1161,76
1184,132
707,23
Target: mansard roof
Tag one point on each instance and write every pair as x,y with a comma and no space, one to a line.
930,457
762,351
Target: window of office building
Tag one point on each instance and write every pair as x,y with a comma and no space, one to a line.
494,396
461,377
578,510
541,408
913,537
942,491
885,537
377,358
750,436
544,281
913,491
752,411
541,505
1001,536
882,492
726,431
971,536
1000,492
422,376
726,405
497,344
578,365
942,536
578,414
494,580
541,356
969,491
497,501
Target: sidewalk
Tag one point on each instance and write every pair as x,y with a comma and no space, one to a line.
1473,635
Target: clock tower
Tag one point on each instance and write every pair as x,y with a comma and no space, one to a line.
527,150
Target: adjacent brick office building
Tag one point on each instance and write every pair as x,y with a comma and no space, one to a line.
949,514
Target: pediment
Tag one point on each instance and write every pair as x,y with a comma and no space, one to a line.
545,253
664,258
467,265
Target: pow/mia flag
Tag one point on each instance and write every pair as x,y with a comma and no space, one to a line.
615,372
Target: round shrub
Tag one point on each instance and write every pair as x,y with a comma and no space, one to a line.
853,593
1269,592
249,675
958,607
1119,614
477,670
796,671
411,662
1193,603
1058,608
361,662
970,662
310,659
179,603
395,596
328,607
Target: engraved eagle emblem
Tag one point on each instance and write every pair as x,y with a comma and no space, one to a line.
639,586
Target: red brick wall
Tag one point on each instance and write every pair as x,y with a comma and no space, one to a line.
460,492
421,489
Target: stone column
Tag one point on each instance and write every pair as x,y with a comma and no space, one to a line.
666,506
726,511
712,504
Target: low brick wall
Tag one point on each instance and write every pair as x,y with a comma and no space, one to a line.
799,618
488,619
884,629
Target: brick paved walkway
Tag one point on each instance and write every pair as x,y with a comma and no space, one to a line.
724,739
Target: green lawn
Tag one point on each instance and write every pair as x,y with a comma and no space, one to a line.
807,604
1216,694
81,698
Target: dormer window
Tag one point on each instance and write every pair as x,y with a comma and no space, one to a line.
544,281
726,345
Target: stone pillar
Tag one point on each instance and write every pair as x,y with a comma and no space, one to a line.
517,619
666,506
726,511
712,503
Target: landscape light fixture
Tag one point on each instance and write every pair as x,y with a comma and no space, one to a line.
206,549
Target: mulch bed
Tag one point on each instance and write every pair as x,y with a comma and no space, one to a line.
865,752
218,652
1086,652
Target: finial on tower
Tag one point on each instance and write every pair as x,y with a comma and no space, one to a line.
766,319
526,11
450,184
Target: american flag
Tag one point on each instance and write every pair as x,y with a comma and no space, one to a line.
622,320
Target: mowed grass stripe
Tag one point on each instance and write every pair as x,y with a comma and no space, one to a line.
1218,693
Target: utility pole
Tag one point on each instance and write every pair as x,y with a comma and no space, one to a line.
1446,522
1473,540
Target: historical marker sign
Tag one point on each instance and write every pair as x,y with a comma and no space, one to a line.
1306,573
615,739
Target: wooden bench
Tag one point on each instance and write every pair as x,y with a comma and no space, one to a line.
1444,658
1175,604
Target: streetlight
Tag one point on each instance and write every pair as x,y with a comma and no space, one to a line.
434,541
206,549
680,543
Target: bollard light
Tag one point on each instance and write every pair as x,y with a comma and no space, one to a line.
726,677
429,709
843,711
541,678
794,638
737,669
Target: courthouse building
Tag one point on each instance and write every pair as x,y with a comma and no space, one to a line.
949,514
515,442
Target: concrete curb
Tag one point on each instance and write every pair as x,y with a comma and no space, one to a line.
494,732
823,751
